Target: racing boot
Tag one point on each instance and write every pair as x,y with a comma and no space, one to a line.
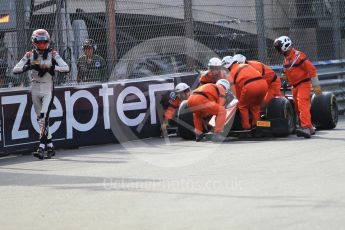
200,137
217,137
39,153
303,132
312,131
50,152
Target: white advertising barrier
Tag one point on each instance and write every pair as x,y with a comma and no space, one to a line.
86,115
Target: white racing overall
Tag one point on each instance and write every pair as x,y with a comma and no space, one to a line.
42,87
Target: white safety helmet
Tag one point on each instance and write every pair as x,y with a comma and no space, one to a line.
241,59
181,87
224,83
282,44
214,62
228,61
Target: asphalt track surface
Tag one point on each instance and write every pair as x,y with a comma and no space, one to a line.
285,183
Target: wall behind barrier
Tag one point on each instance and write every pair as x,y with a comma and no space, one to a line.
95,114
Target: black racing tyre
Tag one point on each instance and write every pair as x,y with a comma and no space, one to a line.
324,111
281,108
185,125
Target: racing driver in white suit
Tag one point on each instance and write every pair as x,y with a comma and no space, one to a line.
42,61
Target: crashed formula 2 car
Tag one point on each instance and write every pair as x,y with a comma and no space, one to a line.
279,118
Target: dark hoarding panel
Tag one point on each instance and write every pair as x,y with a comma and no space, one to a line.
86,115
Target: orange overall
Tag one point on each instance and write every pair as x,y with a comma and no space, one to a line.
273,81
173,105
299,71
208,99
209,77
250,89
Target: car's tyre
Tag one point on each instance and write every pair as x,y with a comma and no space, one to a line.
324,111
185,125
281,109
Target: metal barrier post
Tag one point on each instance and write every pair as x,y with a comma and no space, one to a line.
260,26
336,28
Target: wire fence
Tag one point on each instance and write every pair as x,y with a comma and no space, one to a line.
139,38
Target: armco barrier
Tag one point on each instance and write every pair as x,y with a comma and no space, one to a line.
332,78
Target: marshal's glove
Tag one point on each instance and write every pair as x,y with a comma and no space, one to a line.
164,126
317,90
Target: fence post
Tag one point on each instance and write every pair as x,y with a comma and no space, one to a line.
336,28
111,34
22,37
58,27
22,30
260,27
189,32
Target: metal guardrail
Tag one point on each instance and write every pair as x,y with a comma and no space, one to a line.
331,75
332,78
